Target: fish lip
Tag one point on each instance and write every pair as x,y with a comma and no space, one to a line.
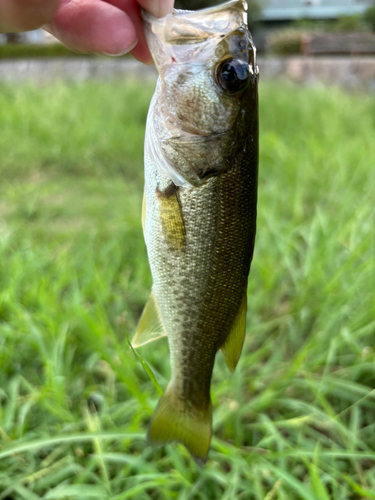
239,5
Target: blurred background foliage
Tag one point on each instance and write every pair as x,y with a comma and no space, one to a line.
296,419
370,17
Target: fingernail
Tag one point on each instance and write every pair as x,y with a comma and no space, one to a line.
119,54
160,8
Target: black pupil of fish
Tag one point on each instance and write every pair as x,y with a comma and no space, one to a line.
233,75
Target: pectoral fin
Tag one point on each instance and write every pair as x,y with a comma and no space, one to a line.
150,326
233,345
172,223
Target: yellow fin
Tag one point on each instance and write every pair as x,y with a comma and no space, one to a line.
150,326
171,218
175,420
233,345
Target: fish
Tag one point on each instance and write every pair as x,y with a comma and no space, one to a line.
199,207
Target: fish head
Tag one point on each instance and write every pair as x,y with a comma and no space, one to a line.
205,104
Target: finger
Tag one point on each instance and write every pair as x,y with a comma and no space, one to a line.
24,15
131,7
158,8
93,26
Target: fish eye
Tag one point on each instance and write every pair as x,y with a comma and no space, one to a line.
232,75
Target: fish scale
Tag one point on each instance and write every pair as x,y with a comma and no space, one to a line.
201,162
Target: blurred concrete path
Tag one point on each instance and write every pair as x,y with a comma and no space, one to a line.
45,70
353,73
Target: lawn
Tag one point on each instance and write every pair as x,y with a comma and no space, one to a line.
297,418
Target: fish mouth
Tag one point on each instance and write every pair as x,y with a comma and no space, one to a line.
194,26
167,37
232,5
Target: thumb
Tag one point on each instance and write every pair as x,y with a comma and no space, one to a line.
25,15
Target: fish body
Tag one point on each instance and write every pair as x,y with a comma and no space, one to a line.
199,212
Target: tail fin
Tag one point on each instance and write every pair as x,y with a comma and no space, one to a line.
175,420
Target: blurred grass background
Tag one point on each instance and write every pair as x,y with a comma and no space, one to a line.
296,420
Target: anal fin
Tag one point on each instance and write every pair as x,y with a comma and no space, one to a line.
233,345
150,326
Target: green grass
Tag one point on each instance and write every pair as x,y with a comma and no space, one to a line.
296,420
20,50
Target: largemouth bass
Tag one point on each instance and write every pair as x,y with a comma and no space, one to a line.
199,211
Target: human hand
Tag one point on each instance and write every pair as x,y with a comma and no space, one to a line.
111,27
